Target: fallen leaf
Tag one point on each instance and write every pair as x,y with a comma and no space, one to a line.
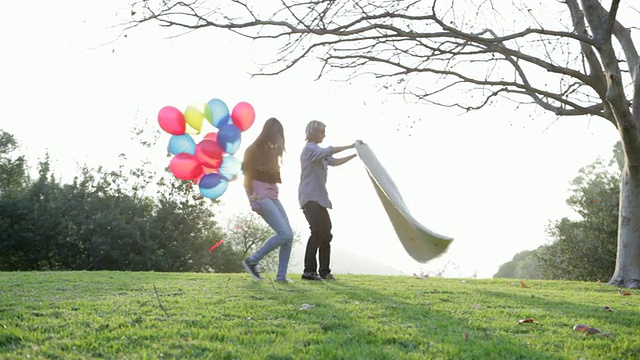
587,330
592,331
581,327
527,321
306,307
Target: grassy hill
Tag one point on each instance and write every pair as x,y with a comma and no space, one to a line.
125,315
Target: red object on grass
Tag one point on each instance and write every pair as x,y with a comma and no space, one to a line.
215,245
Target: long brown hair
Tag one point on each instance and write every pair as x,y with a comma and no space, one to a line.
265,153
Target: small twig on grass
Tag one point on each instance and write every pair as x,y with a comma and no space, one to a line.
155,290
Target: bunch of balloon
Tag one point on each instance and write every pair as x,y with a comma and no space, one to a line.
210,163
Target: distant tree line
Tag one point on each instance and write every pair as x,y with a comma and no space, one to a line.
582,249
106,220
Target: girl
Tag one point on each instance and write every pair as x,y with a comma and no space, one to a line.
261,169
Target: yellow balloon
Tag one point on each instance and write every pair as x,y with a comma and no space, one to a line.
194,116
191,131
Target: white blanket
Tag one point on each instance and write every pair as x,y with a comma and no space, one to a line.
420,243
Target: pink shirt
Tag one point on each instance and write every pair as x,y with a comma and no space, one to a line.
265,190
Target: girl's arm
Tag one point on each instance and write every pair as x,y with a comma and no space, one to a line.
337,149
248,184
340,161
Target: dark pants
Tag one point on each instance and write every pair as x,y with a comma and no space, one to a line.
320,240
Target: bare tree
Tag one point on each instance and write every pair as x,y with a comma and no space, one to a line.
246,233
573,58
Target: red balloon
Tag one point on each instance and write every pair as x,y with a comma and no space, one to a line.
185,166
197,179
212,136
243,115
171,120
209,153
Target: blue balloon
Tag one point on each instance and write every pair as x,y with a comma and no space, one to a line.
230,167
229,138
182,144
219,113
213,185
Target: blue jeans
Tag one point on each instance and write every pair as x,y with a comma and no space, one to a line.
273,213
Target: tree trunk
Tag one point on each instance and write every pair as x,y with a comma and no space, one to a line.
627,273
602,23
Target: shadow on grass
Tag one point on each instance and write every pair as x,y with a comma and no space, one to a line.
357,316
351,319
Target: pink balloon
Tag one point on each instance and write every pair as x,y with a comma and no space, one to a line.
185,166
171,120
209,153
243,115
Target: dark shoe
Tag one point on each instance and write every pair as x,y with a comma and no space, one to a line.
327,277
251,269
311,276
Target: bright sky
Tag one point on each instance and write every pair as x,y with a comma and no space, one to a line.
491,179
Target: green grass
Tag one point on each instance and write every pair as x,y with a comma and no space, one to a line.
121,315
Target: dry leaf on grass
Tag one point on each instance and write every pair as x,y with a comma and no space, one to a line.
585,329
588,330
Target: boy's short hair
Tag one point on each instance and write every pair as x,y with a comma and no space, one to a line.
314,127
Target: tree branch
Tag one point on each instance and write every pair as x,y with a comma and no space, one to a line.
611,21
407,37
155,290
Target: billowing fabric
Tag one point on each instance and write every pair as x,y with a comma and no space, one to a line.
420,243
